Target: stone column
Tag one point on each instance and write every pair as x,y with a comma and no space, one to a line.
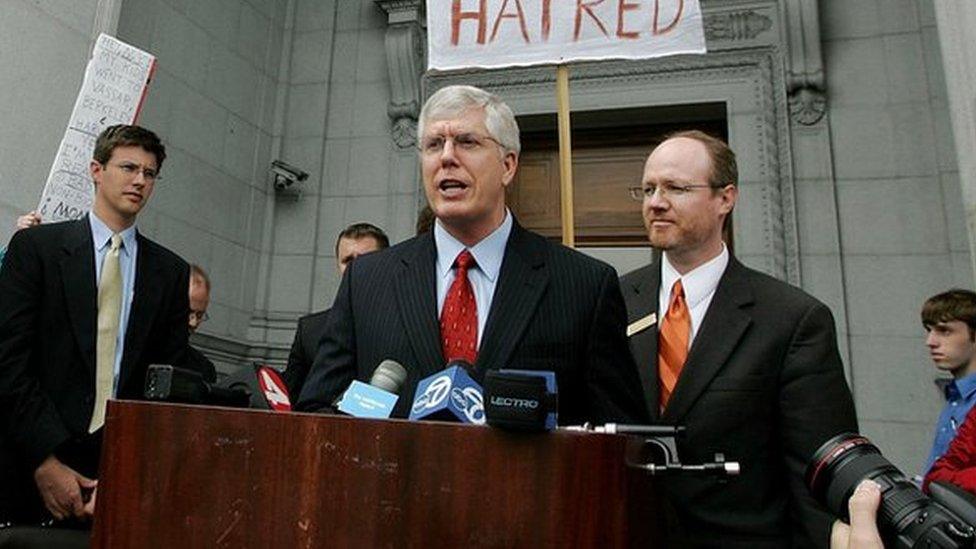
405,60
956,20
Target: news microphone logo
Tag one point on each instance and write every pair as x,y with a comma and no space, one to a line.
530,404
449,395
274,389
377,398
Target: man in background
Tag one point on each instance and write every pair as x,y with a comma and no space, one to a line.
199,302
85,307
949,319
747,363
355,240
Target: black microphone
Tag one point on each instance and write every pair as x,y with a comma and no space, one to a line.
523,400
377,398
450,395
168,383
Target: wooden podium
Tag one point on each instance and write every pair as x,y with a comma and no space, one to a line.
191,476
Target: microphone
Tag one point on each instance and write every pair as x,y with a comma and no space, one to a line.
522,400
264,386
168,383
377,398
449,395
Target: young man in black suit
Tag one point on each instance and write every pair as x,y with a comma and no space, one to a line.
478,286
749,364
355,240
85,307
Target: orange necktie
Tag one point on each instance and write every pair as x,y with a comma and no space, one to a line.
672,344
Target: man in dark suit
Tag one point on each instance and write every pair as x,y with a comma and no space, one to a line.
479,287
355,240
749,364
199,302
85,307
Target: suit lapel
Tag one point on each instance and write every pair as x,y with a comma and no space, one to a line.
522,280
722,328
417,301
642,299
80,291
145,302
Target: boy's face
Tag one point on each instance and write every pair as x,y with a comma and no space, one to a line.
951,346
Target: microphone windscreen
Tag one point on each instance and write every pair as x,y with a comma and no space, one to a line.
390,376
525,400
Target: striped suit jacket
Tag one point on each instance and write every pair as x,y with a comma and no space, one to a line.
553,309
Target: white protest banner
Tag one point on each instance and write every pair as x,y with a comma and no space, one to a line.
503,33
115,85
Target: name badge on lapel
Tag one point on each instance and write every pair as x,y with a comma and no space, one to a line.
641,324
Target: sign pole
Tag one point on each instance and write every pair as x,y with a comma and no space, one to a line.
565,155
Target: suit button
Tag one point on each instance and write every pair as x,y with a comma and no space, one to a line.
89,399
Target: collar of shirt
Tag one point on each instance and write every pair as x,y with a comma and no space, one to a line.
698,283
102,235
963,387
488,253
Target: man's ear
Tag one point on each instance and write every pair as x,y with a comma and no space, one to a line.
510,164
96,169
729,195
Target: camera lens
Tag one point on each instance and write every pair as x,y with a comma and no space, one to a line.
906,515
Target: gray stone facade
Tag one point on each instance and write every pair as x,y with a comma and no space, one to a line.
846,117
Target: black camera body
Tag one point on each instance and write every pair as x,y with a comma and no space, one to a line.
907,517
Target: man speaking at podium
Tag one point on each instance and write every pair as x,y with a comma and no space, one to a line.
85,307
479,287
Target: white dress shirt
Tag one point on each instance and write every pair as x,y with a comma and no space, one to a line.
699,284
488,255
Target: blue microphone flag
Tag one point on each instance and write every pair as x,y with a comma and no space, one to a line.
364,400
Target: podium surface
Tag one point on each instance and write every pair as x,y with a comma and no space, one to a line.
193,476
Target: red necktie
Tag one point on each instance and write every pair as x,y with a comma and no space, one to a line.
672,345
459,317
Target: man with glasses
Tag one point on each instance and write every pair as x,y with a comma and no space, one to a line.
85,307
479,287
199,302
748,363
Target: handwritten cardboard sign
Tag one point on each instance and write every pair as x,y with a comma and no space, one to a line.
502,33
115,85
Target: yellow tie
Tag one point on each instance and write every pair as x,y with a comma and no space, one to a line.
109,305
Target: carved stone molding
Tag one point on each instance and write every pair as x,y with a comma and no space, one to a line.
405,62
804,62
807,106
404,131
736,25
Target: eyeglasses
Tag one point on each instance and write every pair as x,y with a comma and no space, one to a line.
199,316
467,142
668,190
131,169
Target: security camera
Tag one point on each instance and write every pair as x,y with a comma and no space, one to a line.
286,175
